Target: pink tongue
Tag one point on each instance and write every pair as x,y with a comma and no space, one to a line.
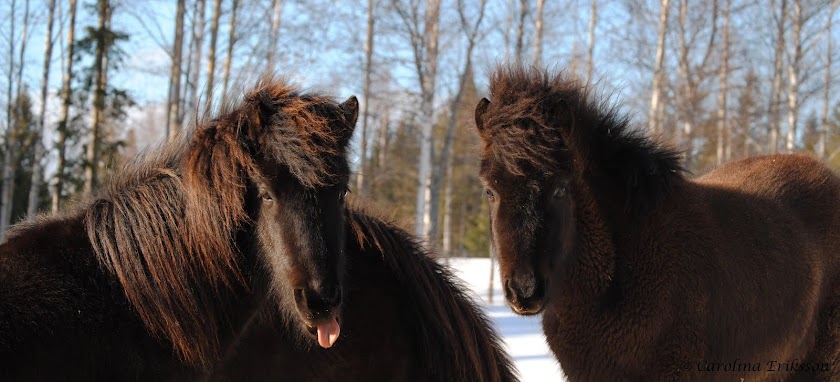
328,333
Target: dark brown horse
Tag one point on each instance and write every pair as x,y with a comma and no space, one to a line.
405,318
643,274
152,278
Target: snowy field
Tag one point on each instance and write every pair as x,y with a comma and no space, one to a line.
523,335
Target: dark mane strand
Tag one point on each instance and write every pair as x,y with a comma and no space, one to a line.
541,121
165,226
434,300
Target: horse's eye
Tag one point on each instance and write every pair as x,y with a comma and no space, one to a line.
559,192
489,193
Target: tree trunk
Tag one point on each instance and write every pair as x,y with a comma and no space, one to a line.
383,139
520,30
271,52
722,130
439,170
656,88
593,19
508,25
229,58
5,197
538,34
428,73
211,55
190,100
360,174
173,124
447,212
684,73
10,156
823,140
35,188
793,76
776,95
66,90
99,74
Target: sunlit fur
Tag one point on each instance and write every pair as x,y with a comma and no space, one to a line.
643,273
167,250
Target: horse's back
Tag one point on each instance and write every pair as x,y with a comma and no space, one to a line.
770,229
797,191
60,317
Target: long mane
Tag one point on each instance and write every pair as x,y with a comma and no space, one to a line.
542,121
468,353
165,227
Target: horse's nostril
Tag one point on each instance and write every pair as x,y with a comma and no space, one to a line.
300,296
522,288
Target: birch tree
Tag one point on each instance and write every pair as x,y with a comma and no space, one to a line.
9,162
173,121
100,70
538,34
211,55
776,93
229,57
423,37
5,196
520,30
692,74
66,96
360,175
193,75
658,72
593,19
35,187
793,67
722,126
444,167
823,139
274,39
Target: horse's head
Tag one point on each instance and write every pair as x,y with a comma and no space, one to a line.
529,180
291,148
297,205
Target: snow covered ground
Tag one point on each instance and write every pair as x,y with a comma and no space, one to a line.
523,335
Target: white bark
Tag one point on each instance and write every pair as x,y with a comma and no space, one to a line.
360,174
776,94
823,140
190,99
793,76
100,70
173,124
538,34
722,126
520,30
593,19
271,52
61,132
8,155
656,88
211,55
35,188
229,58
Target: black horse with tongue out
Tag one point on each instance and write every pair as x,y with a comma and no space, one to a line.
404,318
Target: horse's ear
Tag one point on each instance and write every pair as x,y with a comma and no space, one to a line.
350,112
480,109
